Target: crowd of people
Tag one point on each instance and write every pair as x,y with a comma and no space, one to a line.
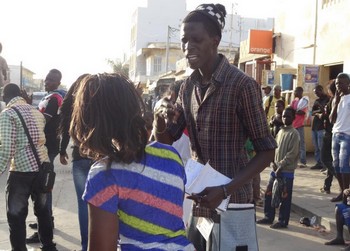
128,155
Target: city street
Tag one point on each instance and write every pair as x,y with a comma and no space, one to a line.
296,238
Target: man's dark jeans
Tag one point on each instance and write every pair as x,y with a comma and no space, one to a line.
20,186
326,157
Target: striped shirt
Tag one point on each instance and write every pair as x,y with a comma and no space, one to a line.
15,150
220,123
147,197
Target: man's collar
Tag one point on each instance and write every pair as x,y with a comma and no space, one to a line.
218,75
16,100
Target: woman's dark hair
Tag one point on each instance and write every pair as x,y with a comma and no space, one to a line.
107,118
332,87
67,106
210,22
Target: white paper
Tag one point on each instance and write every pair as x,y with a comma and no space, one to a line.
200,176
205,226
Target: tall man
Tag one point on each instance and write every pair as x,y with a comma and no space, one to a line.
341,131
50,108
219,106
298,123
16,152
318,124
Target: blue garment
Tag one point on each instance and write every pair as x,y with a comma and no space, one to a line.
286,204
317,141
80,173
341,152
302,150
147,196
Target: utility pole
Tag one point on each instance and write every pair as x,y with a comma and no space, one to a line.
167,50
169,33
315,34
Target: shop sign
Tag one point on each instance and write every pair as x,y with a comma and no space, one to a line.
260,41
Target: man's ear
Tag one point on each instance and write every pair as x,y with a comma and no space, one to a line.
216,41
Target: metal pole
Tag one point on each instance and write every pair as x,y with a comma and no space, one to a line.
315,33
167,50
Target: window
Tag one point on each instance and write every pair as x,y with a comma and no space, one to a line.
157,65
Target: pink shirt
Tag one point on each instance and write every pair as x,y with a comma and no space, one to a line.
299,119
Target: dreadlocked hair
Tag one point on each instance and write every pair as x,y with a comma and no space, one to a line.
67,106
107,119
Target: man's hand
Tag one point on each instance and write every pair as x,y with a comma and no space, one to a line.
210,197
165,110
164,114
28,98
64,158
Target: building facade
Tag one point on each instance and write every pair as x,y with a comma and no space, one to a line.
155,38
23,77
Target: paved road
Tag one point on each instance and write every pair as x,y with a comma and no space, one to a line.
295,238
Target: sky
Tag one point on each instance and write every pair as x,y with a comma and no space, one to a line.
78,36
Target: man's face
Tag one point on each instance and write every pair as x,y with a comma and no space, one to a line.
318,92
287,117
199,48
267,90
52,81
277,92
279,108
342,85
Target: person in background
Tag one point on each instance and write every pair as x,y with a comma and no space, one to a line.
317,127
148,118
49,106
17,153
286,160
257,179
270,103
298,124
80,164
267,92
342,217
340,115
276,120
221,108
3,69
182,145
134,191
326,150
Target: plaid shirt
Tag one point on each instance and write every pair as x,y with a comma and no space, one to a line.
15,150
219,124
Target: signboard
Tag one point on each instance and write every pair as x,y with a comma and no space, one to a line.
260,41
311,74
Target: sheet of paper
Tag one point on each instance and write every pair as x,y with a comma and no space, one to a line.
201,176
205,226
192,170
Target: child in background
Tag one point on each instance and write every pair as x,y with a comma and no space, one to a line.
286,160
134,191
276,120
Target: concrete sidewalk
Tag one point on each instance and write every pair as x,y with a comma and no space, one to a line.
307,201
